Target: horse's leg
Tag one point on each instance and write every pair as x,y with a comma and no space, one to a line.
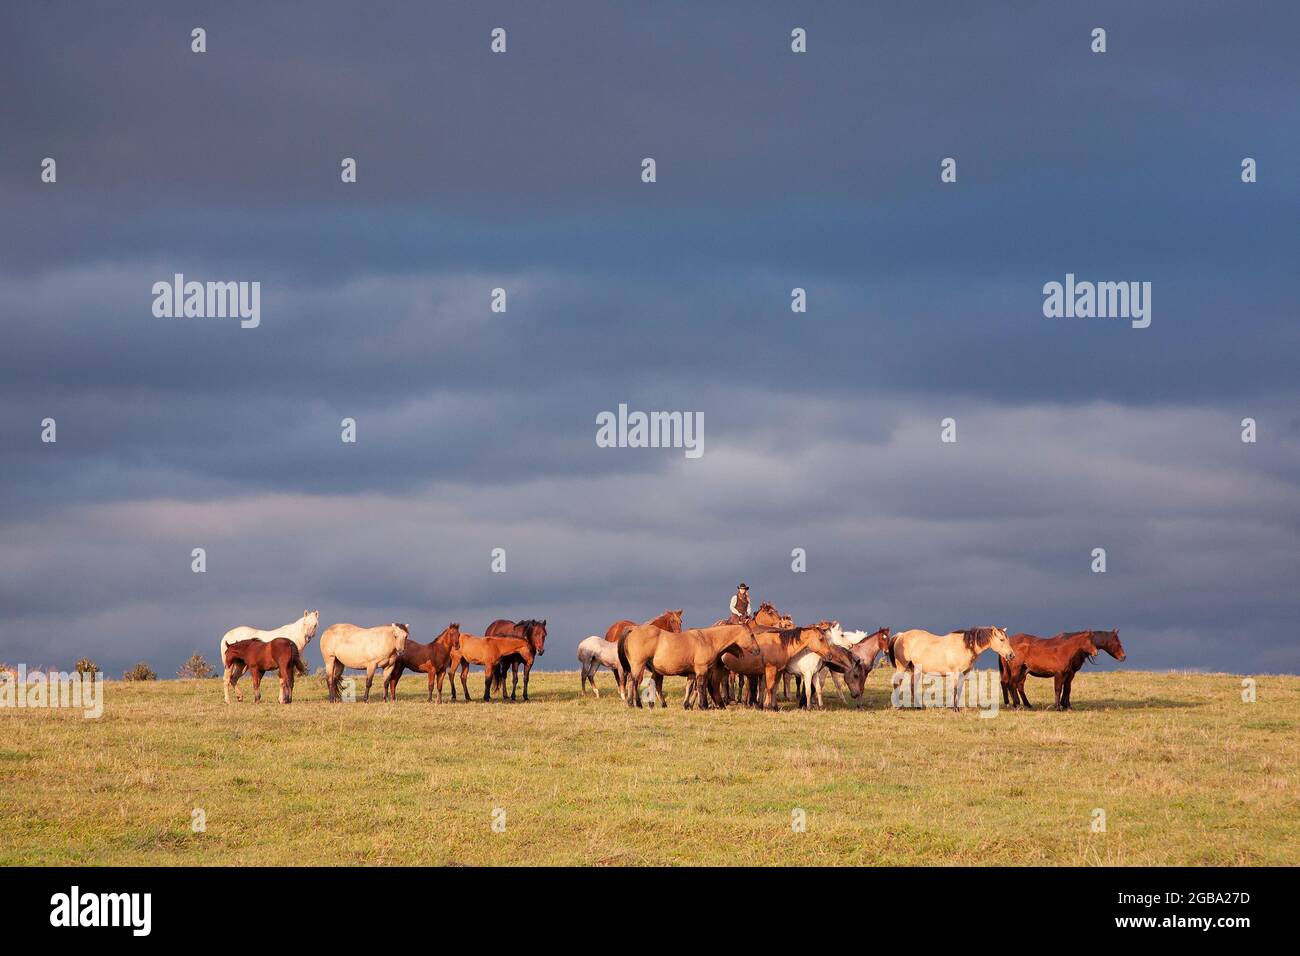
958,685
528,669
226,683
286,683
237,671
1056,686
659,689
489,676
1065,691
464,679
514,673
633,696
257,685
1018,688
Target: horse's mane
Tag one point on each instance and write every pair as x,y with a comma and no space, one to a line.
973,636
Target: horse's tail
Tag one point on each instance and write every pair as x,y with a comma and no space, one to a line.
893,639
623,660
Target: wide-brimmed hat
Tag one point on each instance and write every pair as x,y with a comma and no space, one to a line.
742,586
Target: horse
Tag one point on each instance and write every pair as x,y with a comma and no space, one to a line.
766,616
865,647
532,631
777,648
1058,657
488,651
594,653
951,653
258,657
366,648
432,658
668,620
300,632
690,654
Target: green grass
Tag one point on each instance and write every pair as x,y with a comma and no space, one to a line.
1185,771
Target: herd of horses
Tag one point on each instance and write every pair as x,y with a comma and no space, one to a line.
731,661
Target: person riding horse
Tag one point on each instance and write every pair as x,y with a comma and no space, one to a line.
740,605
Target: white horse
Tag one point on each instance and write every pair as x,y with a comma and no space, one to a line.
366,648
300,632
593,654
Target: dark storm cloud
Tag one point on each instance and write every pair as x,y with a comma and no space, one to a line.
476,430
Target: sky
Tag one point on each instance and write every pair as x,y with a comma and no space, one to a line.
774,170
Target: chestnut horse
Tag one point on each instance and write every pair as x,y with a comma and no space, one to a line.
532,631
668,620
258,657
690,654
1058,657
489,652
300,632
777,648
433,659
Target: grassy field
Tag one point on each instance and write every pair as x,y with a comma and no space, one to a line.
1185,771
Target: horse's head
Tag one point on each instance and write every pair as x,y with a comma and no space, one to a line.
1001,646
834,633
535,634
310,621
450,636
400,632
785,622
855,678
673,620
1108,641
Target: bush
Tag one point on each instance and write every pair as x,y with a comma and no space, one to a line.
86,667
196,668
141,671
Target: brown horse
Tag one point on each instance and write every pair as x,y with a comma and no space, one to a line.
258,657
487,651
433,659
1058,657
668,621
776,649
690,654
532,631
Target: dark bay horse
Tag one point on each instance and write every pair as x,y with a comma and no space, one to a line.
1058,657
532,631
433,659
258,657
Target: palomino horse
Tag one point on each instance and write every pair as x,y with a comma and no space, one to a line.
489,652
691,654
668,620
532,631
952,653
776,650
260,656
300,632
594,653
433,659
366,648
1058,657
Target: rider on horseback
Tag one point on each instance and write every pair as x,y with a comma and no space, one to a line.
740,605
